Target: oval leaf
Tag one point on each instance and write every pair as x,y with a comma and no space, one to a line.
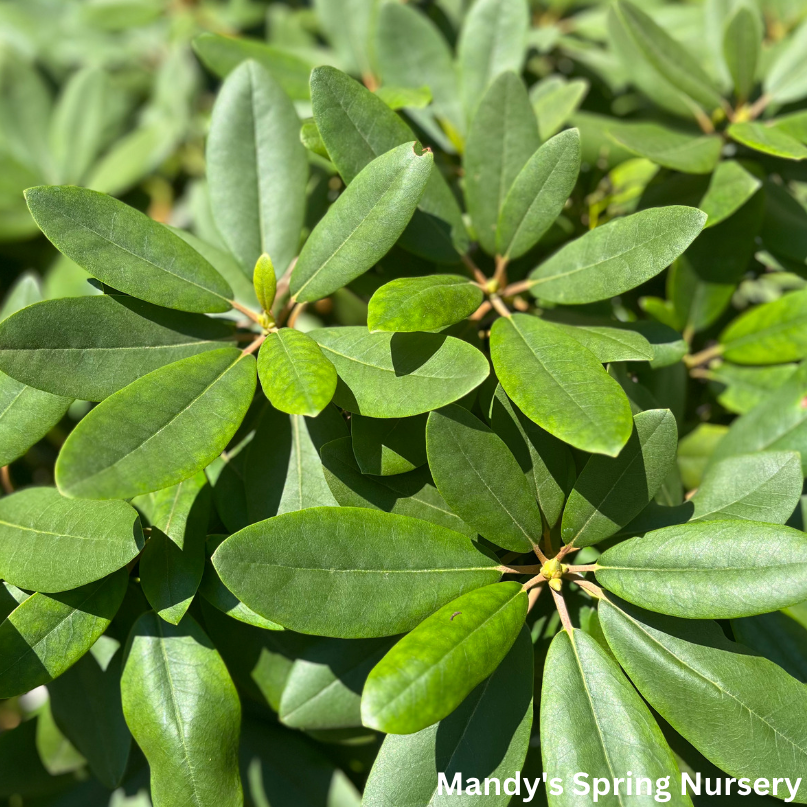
668,148
767,139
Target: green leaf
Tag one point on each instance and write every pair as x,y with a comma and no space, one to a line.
492,41
48,543
183,711
767,139
356,127
47,634
709,569
257,168
610,344
777,636
481,480
611,491
323,689
423,303
742,42
754,487
673,62
128,445
730,187
592,720
86,705
222,54
363,224
411,494
669,148
127,250
296,377
786,79
387,375
485,737
554,100
545,461
389,446
745,387
349,26
742,712
560,385
503,136
431,670
91,347
380,573
618,256
538,194
404,97
265,282
57,753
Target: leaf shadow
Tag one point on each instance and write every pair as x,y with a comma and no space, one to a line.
410,351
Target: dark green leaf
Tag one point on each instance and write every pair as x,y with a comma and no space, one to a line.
777,636
389,446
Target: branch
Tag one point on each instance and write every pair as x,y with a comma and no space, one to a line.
517,288
591,588
560,604
475,270
499,305
533,595
533,569
587,567
246,311
254,345
704,356
5,480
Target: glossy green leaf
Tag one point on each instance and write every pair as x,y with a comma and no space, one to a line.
47,634
265,282
389,446
492,41
730,187
388,375
410,494
356,127
618,256
610,491
257,167
593,721
545,461
742,42
423,303
127,250
49,543
669,148
363,224
502,138
538,194
610,344
754,487
767,139
786,80
777,636
481,480
86,704
709,569
129,445
183,710
432,669
295,376
90,347
560,385
554,100
742,712
380,573
485,737
323,689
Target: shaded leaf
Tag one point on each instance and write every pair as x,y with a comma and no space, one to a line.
389,446
730,187
777,636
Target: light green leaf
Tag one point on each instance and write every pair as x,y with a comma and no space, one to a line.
538,194
57,753
502,137
48,543
742,42
554,100
356,127
404,97
742,712
786,80
363,224
389,446
265,282
91,347
611,491
745,387
485,737
47,634
610,344
618,256
492,41
222,54
593,721
481,480
129,445
349,25
669,148
25,291
560,385
380,573
423,303
257,168
399,375
730,187
432,669
127,250
183,710
296,377
709,569
767,139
